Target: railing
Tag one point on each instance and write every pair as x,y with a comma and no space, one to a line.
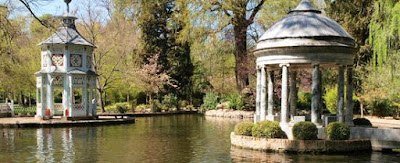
7,108
58,107
77,106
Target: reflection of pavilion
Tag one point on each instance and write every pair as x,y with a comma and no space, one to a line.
66,81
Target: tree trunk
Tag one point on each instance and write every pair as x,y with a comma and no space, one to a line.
240,33
100,95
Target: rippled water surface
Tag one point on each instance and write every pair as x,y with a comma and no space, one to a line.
180,138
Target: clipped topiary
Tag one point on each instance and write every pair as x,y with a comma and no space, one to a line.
244,128
305,131
362,122
268,129
338,131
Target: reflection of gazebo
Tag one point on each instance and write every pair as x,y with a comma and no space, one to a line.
66,66
305,38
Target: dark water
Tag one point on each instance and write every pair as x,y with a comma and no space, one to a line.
181,138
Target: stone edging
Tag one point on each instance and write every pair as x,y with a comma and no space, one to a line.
300,146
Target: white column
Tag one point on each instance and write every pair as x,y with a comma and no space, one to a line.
270,78
70,101
258,91
349,96
65,94
84,96
49,94
315,100
293,94
40,111
263,104
90,97
284,100
340,100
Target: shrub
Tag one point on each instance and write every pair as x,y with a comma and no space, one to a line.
171,101
183,103
338,131
304,100
268,129
305,131
111,109
244,128
362,122
330,99
210,101
235,101
142,107
156,106
122,107
382,107
190,107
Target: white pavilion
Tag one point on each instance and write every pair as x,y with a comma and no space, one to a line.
66,82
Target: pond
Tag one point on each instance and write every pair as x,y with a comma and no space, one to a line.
178,138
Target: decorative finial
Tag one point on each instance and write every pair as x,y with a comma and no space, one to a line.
67,2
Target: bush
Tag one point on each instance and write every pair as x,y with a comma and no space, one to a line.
330,99
111,109
156,106
244,128
210,101
171,101
122,107
235,101
268,129
183,103
142,107
305,131
338,131
304,101
362,122
190,107
382,107
24,110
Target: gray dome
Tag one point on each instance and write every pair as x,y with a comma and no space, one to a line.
305,30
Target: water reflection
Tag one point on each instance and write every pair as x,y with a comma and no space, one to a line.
181,138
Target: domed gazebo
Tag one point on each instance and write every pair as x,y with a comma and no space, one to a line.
304,39
66,66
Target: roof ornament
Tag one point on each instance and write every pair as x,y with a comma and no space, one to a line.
67,2
305,6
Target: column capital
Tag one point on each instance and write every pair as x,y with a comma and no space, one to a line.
284,64
315,64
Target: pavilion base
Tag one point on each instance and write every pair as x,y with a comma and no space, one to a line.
38,117
81,118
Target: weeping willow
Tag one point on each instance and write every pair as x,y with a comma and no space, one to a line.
384,31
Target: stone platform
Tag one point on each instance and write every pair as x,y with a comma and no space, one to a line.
300,146
22,122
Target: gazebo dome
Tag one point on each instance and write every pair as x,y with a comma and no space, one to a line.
305,36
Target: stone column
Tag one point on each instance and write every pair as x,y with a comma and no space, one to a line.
349,96
315,100
263,104
270,78
84,96
258,94
284,100
340,100
293,94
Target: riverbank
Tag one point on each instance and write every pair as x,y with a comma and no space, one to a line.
31,122
226,113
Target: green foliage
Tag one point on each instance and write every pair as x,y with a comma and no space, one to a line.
244,128
142,107
111,109
183,103
190,107
362,122
210,101
171,101
330,99
122,107
24,110
382,107
338,131
268,129
235,101
157,106
305,131
304,100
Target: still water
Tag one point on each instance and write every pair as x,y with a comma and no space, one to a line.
180,138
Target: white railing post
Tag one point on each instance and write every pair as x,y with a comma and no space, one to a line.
11,105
